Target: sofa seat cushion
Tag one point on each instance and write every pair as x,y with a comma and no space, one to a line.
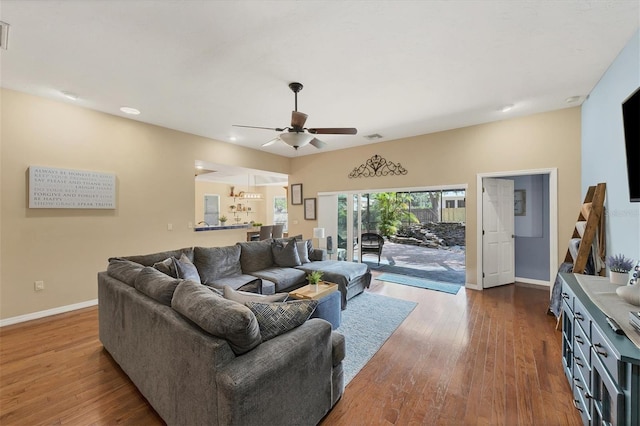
218,316
255,256
214,263
336,271
244,296
237,282
282,277
157,285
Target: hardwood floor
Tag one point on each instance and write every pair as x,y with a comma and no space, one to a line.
476,358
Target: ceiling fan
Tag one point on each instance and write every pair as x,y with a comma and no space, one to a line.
297,135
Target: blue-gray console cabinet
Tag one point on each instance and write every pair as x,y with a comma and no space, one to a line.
603,368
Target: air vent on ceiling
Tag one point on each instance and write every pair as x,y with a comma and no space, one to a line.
4,35
373,136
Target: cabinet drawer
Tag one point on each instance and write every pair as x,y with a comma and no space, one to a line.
581,340
567,297
582,406
582,318
582,364
602,349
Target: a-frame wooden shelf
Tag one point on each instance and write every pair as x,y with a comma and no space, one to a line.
592,212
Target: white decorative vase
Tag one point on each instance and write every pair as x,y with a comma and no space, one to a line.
314,287
619,278
630,293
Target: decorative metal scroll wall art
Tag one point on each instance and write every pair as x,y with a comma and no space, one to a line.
377,166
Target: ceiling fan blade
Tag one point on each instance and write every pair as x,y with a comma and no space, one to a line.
298,119
277,129
271,142
334,131
318,143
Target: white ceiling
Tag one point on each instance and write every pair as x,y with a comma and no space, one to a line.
396,68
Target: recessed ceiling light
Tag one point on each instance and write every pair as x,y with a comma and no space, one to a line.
129,110
506,108
572,99
232,138
199,167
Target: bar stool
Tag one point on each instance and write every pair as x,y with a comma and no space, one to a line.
265,232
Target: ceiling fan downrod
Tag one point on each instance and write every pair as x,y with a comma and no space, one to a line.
296,87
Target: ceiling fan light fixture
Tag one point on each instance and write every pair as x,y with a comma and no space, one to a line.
296,139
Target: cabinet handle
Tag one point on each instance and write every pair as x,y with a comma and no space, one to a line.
577,361
579,316
599,346
565,296
579,340
576,404
576,381
586,395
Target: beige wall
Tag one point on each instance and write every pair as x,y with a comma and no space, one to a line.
155,186
548,140
155,179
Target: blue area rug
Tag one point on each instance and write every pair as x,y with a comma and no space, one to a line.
419,282
367,323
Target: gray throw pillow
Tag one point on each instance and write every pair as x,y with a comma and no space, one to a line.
186,269
157,285
244,297
167,266
218,316
124,270
277,318
214,263
285,255
255,256
303,251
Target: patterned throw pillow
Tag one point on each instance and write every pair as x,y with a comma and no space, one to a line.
277,318
285,255
186,269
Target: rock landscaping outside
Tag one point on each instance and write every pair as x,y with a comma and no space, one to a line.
435,235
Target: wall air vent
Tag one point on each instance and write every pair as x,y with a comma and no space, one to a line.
4,35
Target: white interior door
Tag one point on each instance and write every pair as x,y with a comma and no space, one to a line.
498,261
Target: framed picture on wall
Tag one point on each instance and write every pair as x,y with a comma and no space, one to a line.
296,193
310,208
520,202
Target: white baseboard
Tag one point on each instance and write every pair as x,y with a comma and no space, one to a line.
532,281
48,312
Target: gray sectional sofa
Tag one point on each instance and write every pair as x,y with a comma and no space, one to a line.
203,359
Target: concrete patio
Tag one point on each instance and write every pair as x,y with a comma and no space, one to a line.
447,265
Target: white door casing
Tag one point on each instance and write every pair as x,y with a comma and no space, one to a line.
498,260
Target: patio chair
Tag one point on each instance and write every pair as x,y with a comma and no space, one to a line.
371,242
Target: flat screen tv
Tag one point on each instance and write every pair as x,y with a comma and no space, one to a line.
631,119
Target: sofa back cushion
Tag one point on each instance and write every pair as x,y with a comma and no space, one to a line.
255,255
124,270
157,285
217,262
150,259
218,316
285,254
